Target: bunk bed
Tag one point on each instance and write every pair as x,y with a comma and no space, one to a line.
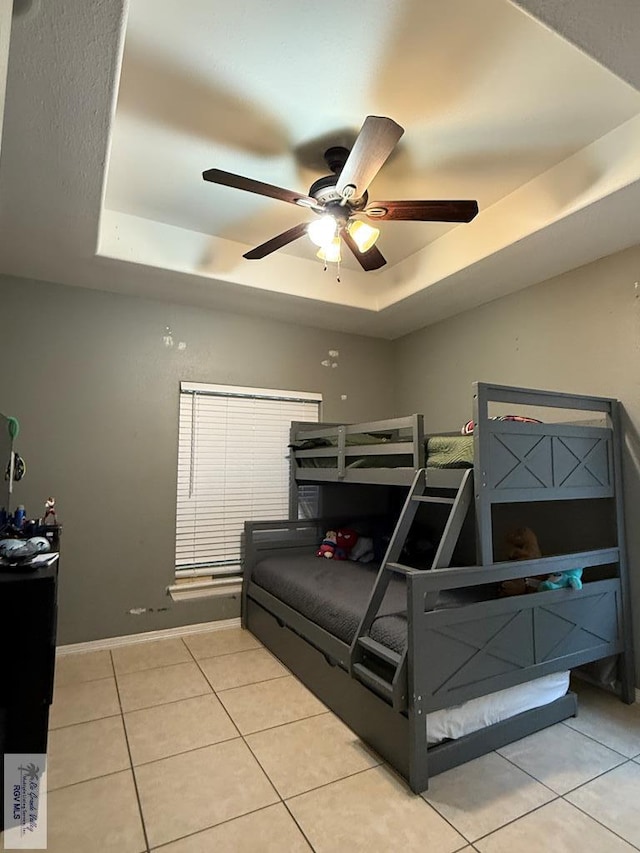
423,659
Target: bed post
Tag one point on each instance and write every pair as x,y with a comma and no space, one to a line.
416,695
484,531
294,509
627,663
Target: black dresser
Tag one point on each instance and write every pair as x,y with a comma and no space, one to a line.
28,616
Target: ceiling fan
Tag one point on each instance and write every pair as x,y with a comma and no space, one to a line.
338,199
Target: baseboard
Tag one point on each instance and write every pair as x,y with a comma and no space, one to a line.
148,636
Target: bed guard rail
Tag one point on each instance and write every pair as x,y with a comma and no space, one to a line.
396,437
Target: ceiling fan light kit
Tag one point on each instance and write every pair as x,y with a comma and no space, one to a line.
322,231
337,200
364,235
331,252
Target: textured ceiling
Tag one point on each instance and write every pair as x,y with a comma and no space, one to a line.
100,172
489,100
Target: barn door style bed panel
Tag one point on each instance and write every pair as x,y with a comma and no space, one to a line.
424,659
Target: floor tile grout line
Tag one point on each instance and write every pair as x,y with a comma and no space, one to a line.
248,684
335,781
560,797
262,681
170,702
554,799
404,782
152,669
315,787
594,739
593,779
186,751
221,703
588,814
280,725
133,774
84,722
531,776
239,652
214,826
87,681
586,781
294,819
90,779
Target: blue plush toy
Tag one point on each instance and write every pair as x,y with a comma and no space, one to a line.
571,578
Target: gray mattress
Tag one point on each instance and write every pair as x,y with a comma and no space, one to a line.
334,595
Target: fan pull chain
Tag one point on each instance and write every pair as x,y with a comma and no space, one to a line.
338,273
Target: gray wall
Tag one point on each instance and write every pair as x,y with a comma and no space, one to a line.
579,332
96,393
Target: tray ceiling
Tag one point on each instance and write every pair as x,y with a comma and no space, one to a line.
495,107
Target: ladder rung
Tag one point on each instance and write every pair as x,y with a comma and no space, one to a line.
399,569
374,681
379,650
432,499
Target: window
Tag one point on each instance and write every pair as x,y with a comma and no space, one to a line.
232,466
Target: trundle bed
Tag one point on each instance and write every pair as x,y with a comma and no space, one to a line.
420,657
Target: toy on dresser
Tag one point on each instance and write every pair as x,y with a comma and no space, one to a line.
337,544
50,512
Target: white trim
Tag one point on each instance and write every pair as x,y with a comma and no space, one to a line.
187,591
241,391
637,694
148,636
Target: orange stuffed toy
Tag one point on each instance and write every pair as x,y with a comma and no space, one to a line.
523,545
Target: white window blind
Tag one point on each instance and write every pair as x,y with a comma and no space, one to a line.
232,466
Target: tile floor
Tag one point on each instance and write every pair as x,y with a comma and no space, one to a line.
209,744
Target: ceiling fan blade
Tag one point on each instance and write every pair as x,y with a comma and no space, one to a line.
372,259
423,211
376,140
228,179
276,242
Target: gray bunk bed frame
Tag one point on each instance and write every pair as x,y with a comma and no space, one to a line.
453,655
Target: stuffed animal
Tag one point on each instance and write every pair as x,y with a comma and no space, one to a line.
522,544
571,579
328,547
346,539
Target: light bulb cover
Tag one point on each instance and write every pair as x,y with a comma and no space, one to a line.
364,236
322,231
331,252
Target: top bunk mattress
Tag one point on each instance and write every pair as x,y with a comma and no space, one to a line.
334,594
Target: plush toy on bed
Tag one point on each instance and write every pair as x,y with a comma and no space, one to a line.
346,540
523,545
571,579
337,544
328,547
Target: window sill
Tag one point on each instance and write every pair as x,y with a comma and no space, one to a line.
190,592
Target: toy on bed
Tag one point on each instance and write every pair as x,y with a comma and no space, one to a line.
337,544
328,547
523,545
571,579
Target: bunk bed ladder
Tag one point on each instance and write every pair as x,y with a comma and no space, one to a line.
369,658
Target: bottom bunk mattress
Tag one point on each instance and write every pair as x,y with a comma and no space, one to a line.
334,594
